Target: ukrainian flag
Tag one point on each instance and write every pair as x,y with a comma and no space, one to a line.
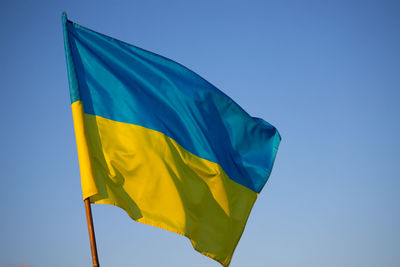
163,144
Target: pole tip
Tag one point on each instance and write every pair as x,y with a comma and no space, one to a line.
64,18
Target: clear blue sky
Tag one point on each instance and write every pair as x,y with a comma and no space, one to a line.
325,73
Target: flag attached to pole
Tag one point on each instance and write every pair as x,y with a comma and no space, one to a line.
163,144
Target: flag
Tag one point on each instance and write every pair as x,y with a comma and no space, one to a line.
162,143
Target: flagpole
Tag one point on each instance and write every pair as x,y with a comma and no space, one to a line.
91,233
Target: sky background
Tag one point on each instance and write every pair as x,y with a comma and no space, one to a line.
325,73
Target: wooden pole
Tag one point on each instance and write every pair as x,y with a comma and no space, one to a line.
91,233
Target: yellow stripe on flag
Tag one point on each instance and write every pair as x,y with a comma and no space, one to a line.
157,182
